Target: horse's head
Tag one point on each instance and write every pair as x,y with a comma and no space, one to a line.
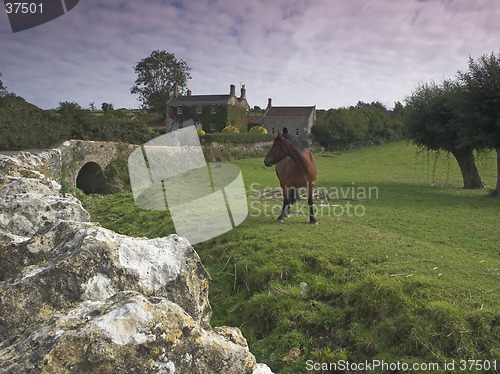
277,152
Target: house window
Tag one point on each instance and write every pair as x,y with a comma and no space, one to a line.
198,109
297,132
272,130
213,127
179,109
213,109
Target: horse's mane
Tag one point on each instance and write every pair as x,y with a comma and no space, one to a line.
295,141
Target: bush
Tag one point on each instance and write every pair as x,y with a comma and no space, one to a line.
258,130
200,132
230,129
116,175
24,125
363,124
237,138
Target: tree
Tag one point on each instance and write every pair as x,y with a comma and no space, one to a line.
107,107
77,119
431,117
382,124
358,125
3,89
66,107
481,123
157,75
398,110
340,128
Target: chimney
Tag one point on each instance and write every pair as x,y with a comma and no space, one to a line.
232,90
176,89
243,92
269,102
189,92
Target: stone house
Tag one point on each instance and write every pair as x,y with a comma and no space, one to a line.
298,120
211,113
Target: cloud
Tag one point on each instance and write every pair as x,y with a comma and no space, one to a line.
320,52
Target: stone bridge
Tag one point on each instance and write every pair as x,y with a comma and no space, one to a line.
82,162
74,164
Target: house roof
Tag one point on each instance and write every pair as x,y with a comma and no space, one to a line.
200,100
255,120
289,111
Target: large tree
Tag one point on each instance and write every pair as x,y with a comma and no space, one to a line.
157,75
432,118
481,123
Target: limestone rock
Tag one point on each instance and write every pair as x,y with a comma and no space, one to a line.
126,333
26,204
78,298
44,165
262,369
81,261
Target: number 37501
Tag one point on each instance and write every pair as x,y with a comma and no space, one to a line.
24,8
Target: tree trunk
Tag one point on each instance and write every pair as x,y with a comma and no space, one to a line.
497,188
467,164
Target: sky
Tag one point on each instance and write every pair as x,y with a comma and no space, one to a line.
327,53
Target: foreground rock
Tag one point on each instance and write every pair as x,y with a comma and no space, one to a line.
26,204
126,333
78,298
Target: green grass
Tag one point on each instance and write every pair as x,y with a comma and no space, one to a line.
415,278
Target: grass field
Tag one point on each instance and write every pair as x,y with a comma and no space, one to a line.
404,264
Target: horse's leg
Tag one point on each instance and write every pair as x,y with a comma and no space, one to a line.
310,190
297,194
286,205
291,200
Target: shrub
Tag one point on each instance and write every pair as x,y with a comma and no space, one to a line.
360,125
200,132
116,175
230,129
237,138
24,125
258,130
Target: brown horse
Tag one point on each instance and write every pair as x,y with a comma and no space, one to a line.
295,168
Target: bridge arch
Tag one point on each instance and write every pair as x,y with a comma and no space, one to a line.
83,162
90,178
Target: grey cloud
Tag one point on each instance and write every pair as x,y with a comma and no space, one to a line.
323,52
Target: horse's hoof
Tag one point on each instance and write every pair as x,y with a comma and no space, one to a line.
280,220
313,222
